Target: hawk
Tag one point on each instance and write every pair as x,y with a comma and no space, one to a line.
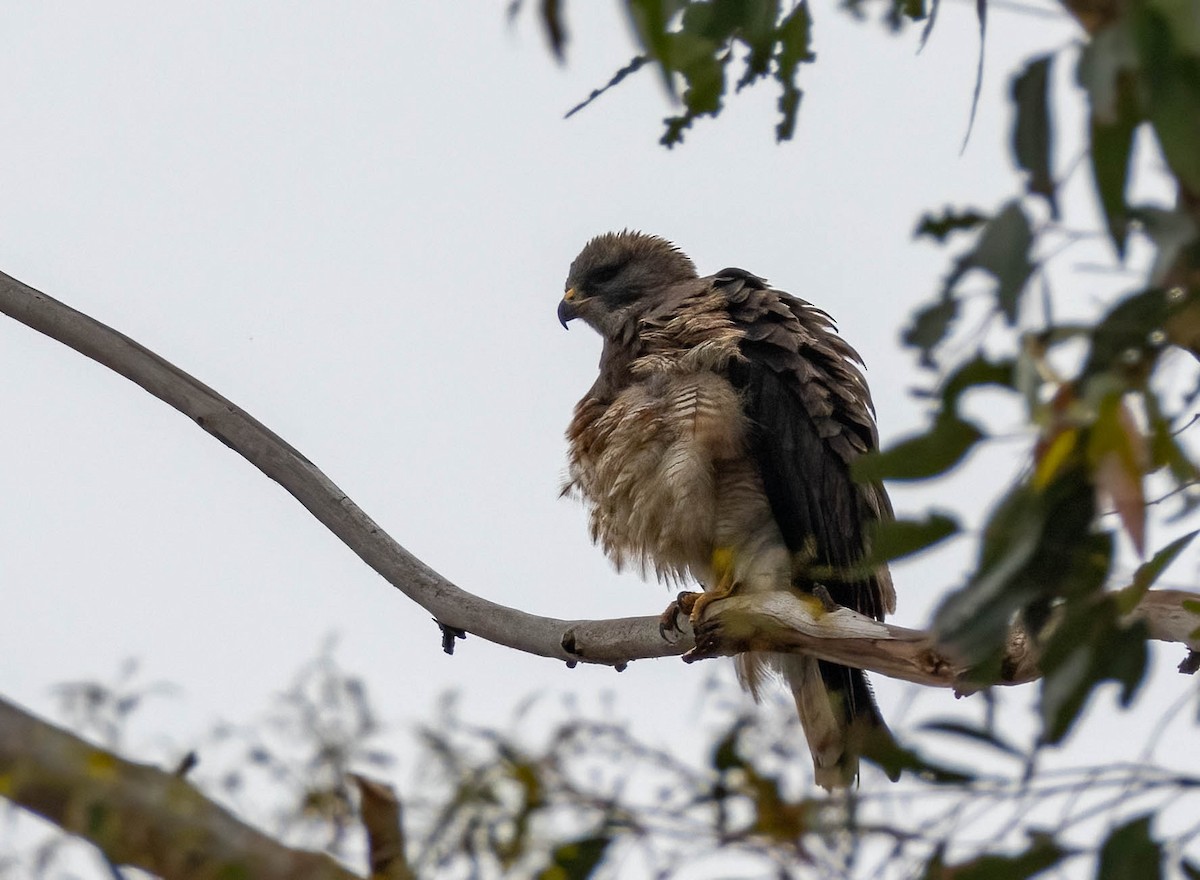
715,446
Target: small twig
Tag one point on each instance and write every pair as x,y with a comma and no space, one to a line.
1191,663
186,764
635,64
449,635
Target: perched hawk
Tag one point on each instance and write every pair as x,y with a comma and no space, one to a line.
715,446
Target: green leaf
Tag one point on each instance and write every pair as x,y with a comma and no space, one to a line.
649,19
576,859
753,23
974,374
1107,57
1125,336
795,48
914,10
1172,80
926,455
1107,71
975,735
1088,646
1171,231
1042,854
893,758
930,326
1193,605
1116,456
1112,146
1037,546
555,27
940,228
1148,572
895,539
975,619
1032,133
703,70
1003,251
725,754
705,76
1130,851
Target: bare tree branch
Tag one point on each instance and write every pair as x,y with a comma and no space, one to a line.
267,451
137,814
777,622
799,624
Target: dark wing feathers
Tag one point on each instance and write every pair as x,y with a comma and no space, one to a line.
811,415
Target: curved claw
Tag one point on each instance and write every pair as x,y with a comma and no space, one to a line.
708,642
668,622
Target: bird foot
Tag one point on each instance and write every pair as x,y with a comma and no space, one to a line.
821,592
709,639
668,621
703,600
692,604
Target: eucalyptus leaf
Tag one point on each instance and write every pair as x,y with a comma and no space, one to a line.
1033,139
929,327
1149,572
1129,852
940,227
1089,646
895,539
795,48
974,734
1003,251
1042,854
926,455
576,859
1107,71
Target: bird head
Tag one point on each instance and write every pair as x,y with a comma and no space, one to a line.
617,276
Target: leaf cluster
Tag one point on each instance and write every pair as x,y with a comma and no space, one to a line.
1100,433
704,49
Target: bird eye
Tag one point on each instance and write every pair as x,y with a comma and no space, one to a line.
604,274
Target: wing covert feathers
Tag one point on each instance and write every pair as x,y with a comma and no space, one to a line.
811,415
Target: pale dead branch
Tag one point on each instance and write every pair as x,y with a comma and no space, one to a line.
137,814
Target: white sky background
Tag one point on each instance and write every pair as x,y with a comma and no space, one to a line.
354,220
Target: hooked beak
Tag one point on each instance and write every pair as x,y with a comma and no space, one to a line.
566,307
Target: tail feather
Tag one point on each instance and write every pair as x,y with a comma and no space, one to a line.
836,707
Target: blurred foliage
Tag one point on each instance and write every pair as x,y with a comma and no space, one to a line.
565,792
704,49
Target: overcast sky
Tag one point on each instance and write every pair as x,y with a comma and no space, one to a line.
354,220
